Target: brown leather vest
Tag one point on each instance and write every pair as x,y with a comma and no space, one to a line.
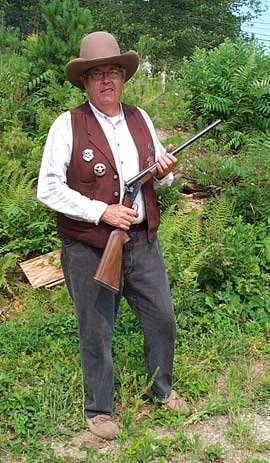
87,133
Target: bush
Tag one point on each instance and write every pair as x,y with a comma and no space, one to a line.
217,264
230,82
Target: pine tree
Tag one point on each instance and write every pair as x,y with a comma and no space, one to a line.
65,25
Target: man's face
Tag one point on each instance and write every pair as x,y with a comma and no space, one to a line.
104,85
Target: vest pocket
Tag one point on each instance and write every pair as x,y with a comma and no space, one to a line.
88,189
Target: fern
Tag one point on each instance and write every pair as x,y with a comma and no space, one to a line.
15,187
215,172
190,273
253,192
25,225
219,214
191,241
231,81
181,240
7,263
261,87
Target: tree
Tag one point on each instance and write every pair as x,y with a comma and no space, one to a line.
66,22
173,28
24,14
177,27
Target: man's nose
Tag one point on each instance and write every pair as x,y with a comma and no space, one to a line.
106,75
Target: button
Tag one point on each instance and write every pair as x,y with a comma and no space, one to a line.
116,194
115,177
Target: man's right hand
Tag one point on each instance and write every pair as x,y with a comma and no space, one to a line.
119,216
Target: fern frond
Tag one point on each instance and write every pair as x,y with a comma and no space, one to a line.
181,239
219,213
225,85
7,262
218,104
261,87
37,81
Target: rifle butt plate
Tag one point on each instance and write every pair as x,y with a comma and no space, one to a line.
106,285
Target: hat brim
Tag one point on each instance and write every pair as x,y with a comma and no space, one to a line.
75,69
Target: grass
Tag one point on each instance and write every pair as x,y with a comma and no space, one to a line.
41,387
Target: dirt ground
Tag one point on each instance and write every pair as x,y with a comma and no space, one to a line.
211,431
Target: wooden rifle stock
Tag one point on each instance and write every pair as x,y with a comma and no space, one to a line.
108,273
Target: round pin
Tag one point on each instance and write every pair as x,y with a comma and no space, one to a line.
100,169
88,155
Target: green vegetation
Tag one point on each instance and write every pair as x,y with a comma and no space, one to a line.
217,255
172,29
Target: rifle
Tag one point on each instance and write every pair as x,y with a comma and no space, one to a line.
108,273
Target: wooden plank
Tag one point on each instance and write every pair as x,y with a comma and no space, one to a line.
44,270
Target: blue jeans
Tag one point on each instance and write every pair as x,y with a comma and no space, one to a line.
145,286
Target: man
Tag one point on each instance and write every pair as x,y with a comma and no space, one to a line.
90,152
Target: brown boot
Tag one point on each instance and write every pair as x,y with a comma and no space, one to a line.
173,402
103,426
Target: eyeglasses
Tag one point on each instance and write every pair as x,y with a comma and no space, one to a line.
113,74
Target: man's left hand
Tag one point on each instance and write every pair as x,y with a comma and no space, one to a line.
166,163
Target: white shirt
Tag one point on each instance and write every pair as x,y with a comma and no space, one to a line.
52,184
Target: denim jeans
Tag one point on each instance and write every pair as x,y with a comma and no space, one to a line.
145,285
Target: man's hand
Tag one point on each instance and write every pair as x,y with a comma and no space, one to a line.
119,216
166,163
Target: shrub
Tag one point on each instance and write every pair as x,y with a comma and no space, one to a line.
231,82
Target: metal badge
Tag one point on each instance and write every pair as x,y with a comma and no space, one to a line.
151,148
88,154
100,169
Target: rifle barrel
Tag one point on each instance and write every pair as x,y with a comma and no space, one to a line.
196,136
184,145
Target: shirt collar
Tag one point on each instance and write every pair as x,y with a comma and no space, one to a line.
99,113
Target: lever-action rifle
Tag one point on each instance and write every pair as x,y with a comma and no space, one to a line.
109,270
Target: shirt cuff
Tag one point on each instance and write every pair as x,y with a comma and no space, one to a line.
99,207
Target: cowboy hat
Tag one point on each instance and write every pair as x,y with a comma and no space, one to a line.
96,49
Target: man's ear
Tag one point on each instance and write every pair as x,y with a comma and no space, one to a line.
84,78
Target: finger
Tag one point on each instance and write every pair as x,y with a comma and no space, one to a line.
127,218
123,223
164,164
161,160
130,212
124,226
169,148
160,170
171,157
133,213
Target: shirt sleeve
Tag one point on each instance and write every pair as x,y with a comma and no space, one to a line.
52,183
159,149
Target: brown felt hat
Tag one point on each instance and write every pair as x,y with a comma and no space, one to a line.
96,49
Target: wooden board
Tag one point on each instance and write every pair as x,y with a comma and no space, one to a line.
44,270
